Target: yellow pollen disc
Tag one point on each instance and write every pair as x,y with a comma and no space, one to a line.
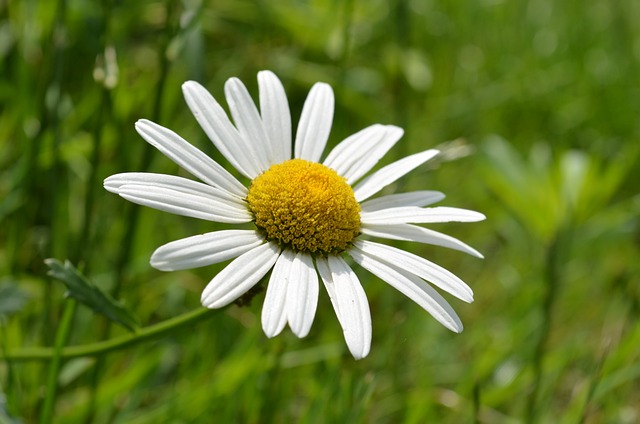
305,206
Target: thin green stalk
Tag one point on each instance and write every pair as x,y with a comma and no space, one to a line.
118,343
84,241
57,215
56,355
55,184
595,380
552,281
103,114
477,402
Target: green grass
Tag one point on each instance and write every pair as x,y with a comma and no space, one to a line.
545,94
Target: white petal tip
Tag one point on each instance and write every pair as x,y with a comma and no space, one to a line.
429,154
160,265
395,129
266,73
359,353
323,86
111,184
189,87
465,296
300,333
461,215
476,254
271,332
233,81
206,305
455,326
479,216
209,302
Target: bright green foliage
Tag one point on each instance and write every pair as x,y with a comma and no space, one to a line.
543,98
87,293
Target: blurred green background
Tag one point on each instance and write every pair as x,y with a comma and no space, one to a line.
543,98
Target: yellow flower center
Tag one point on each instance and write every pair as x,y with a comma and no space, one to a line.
305,206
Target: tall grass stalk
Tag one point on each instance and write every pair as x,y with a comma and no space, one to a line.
57,187
46,414
552,284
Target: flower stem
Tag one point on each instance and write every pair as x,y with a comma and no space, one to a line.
95,349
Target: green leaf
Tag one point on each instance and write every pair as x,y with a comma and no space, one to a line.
81,289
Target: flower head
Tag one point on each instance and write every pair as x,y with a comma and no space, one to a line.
308,214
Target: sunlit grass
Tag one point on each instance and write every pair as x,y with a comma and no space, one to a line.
544,93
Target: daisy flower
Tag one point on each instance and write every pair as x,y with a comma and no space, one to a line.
308,213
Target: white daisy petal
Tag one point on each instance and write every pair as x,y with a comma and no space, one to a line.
179,196
412,287
353,307
204,249
274,313
322,265
390,173
357,324
189,157
121,183
415,215
215,123
373,153
239,276
349,150
302,294
194,206
418,266
115,182
276,117
412,198
410,232
315,123
248,122
358,153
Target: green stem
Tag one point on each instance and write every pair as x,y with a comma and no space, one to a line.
56,355
551,285
95,349
477,402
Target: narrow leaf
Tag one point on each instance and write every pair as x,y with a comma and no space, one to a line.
84,291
